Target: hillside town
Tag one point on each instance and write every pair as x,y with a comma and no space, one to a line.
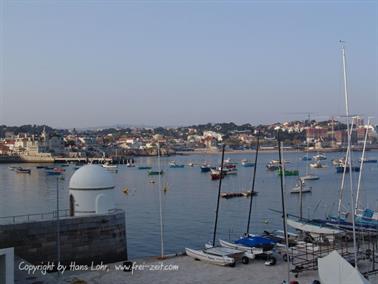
42,143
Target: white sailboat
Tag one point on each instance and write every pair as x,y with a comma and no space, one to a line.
301,187
218,257
216,254
315,230
252,251
321,228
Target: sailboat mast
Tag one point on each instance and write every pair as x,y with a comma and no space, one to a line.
284,217
253,182
361,166
309,121
341,192
219,192
160,205
349,156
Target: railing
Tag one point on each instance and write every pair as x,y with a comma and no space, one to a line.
33,217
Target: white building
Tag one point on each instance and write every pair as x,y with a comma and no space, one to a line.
91,191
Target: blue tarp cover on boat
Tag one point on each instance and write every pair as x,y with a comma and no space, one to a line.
255,241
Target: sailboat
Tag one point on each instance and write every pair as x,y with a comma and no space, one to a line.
327,227
219,255
300,187
254,244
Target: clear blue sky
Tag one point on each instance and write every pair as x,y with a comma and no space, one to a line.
94,63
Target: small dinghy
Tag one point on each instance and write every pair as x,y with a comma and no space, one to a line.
223,260
254,251
301,187
220,255
23,171
310,177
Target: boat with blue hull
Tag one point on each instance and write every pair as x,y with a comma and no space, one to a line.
256,241
340,169
247,164
205,168
174,165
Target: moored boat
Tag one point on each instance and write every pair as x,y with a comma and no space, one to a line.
310,177
55,172
155,173
247,164
319,157
109,166
272,167
174,165
288,172
216,174
228,195
340,169
144,168
369,161
300,187
23,171
205,168
317,165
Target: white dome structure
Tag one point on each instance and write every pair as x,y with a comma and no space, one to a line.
91,191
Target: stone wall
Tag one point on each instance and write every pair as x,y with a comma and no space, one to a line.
100,238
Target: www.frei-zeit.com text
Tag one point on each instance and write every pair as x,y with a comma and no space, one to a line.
126,266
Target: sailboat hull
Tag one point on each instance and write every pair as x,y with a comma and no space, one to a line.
313,229
214,259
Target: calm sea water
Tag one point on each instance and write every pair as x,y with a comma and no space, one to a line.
190,202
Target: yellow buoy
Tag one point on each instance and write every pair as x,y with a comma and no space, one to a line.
165,189
125,190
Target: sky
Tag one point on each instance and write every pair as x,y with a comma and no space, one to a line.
100,63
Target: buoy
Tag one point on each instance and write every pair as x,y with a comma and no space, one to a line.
165,189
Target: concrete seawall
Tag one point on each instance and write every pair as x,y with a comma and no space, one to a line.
100,238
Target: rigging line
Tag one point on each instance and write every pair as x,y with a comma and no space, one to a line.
361,167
